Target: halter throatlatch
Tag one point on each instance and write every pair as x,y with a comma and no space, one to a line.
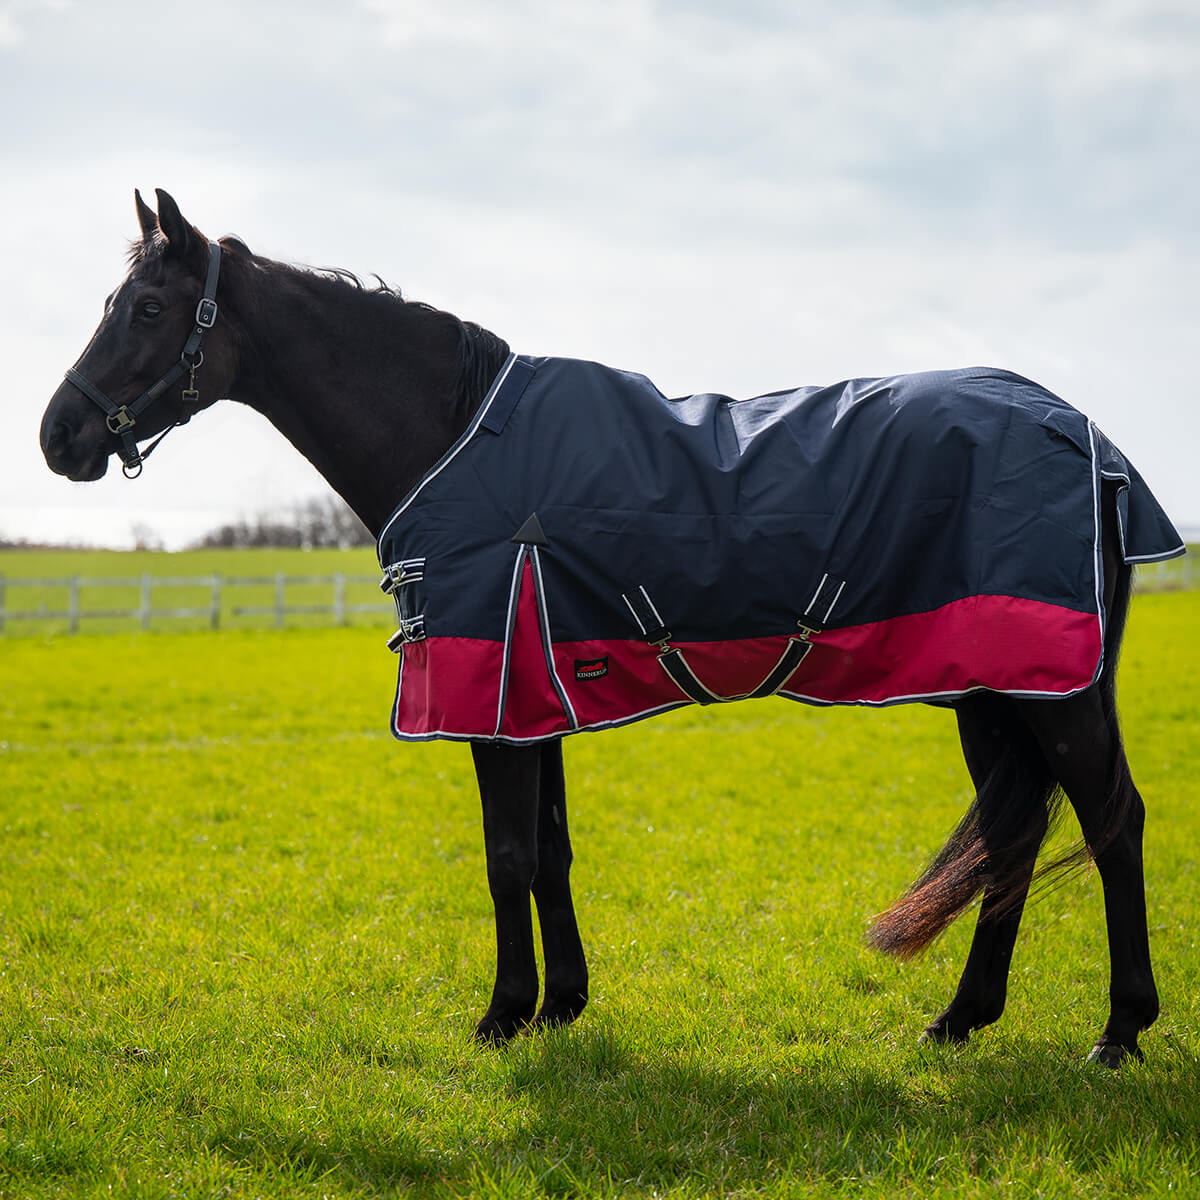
122,419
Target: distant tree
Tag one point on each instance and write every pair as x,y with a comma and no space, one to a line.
146,537
320,522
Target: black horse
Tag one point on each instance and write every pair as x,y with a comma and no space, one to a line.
373,390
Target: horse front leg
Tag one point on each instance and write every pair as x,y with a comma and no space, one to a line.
566,967
509,778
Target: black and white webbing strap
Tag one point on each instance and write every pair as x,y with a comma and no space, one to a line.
395,577
676,665
122,418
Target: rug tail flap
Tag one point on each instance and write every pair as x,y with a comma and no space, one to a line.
1147,534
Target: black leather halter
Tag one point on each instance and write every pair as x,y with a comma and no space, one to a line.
121,419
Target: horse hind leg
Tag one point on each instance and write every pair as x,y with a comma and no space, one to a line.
1013,786
1080,740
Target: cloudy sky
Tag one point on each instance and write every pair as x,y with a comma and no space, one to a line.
732,196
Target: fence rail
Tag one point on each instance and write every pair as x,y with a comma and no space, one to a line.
217,599
1173,575
213,599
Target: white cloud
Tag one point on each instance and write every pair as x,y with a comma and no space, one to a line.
735,197
13,14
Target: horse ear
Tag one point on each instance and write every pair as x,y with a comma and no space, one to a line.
181,237
147,218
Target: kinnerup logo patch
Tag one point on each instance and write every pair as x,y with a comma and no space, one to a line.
591,668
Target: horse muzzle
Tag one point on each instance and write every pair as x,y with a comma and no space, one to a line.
75,446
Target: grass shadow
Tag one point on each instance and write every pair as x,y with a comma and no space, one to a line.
597,1115
937,1112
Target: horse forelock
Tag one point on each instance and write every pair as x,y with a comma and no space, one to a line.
142,250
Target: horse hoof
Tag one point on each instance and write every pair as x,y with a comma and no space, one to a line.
493,1031
940,1035
1112,1054
556,1018
560,1009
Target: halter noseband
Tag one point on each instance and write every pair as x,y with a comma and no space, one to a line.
120,419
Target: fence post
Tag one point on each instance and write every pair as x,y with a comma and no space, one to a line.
339,598
73,604
144,610
280,580
214,611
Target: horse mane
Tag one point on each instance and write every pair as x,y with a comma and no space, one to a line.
480,352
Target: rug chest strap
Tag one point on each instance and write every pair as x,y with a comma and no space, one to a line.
676,665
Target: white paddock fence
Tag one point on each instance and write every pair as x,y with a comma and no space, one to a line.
210,600
216,600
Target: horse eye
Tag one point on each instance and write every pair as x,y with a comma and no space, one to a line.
151,308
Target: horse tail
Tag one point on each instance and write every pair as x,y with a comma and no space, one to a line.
1012,808
1017,801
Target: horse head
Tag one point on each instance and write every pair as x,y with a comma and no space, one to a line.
158,356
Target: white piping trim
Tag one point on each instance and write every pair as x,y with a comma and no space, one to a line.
925,697
1097,550
816,593
542,737
815,701
650,602
510,624
1162,555
539,592
634,611
399,688
836,597
452,453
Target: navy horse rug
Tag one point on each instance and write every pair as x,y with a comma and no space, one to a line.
590,553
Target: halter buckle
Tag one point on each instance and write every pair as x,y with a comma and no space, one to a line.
120,421
206,313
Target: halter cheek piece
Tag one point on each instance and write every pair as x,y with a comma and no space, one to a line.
121,419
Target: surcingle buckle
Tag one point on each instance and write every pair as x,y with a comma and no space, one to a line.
395,575
412,629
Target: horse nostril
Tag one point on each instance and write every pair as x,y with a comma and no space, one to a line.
56,438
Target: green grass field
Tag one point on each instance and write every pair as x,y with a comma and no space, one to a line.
244,938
